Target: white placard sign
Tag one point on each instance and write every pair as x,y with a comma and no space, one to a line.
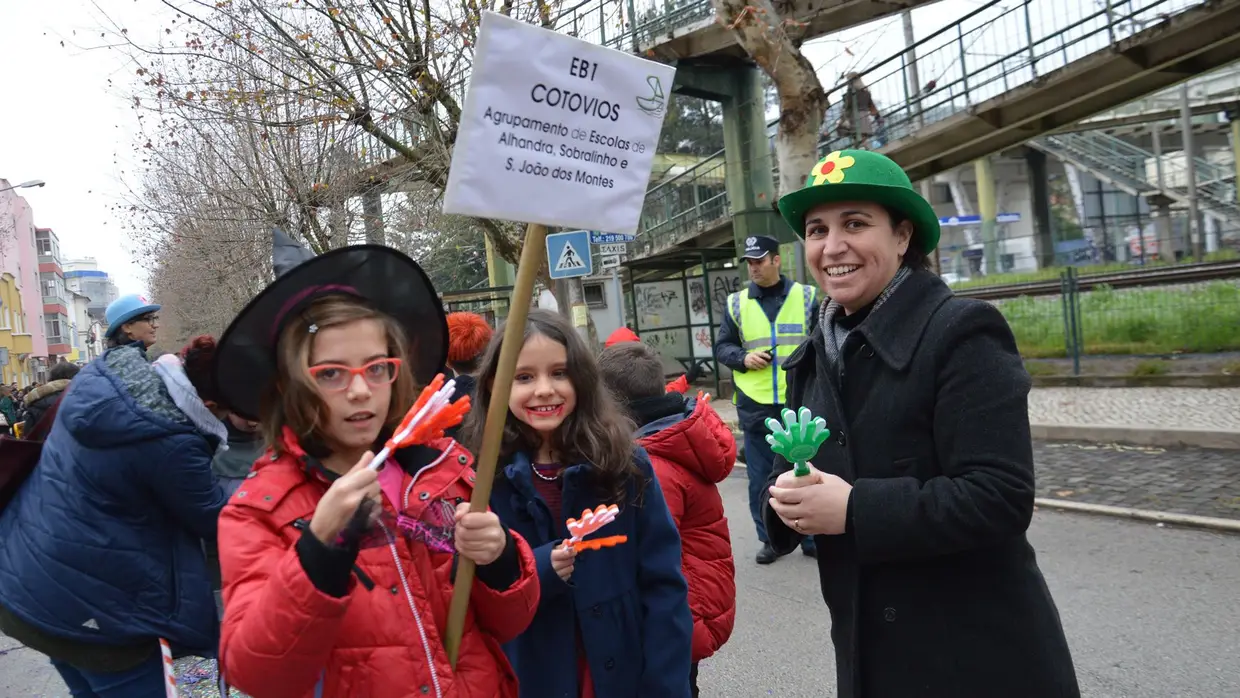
556,130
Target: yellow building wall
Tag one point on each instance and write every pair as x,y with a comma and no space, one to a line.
12,335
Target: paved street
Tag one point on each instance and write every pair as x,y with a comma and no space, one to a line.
1150,612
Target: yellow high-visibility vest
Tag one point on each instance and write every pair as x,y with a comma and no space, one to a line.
769,385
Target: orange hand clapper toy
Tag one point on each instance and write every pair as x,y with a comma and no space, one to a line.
426,420
591,522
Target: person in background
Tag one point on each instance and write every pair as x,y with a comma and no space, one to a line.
679,384
102,553
860,117
230,466
622,334
468,336
8,408
41,399
692,450
761,327
132,319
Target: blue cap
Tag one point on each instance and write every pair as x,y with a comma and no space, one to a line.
125,309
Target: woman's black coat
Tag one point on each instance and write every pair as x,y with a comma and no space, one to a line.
934,591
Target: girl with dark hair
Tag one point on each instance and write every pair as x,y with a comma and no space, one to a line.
614,622
102,553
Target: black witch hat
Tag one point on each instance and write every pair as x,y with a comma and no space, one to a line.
387,280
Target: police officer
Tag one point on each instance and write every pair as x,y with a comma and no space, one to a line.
762,325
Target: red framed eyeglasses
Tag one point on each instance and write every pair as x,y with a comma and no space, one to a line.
338,376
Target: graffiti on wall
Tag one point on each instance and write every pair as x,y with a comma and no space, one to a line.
660,304
661,316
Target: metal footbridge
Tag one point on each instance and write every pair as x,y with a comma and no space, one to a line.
1004,74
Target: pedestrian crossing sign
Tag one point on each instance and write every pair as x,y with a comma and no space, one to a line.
568,254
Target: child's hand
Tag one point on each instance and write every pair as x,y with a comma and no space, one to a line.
562,560
479,535
342,499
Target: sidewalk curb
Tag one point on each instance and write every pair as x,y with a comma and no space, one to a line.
1137,435
1208,523
1187,520
1132,435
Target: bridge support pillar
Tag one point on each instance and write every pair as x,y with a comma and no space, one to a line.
751,186
1233,117
1162,225
499,273
1040,196
988,209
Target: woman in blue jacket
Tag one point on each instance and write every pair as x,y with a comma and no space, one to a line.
102,546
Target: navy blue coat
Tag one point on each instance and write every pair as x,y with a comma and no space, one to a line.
631,600
103,543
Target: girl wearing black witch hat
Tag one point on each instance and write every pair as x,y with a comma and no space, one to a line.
337,578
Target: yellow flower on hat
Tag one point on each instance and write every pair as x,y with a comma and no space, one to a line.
830,170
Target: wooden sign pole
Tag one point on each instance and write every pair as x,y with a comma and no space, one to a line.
497,413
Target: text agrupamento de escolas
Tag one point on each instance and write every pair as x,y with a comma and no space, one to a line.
578,103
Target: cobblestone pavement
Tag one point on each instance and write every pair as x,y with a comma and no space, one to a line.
1203,482
1165,408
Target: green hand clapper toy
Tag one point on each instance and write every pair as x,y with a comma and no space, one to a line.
798,438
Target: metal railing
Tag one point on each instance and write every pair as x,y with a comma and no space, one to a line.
1141,172
630,25
994,49
989,52
682,206
1141,320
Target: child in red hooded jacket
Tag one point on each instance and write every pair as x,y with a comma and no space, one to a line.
692,450
337,578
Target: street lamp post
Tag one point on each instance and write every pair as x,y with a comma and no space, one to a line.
26,185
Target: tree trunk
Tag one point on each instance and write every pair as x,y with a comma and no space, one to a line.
802,102
372,216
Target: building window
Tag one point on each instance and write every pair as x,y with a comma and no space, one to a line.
45,246
52,326
596,294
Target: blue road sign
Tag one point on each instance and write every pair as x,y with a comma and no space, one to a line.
568,254
952,221
605,238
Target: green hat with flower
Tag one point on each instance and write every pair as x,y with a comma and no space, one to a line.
862,175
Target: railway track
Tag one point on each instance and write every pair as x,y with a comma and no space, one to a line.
1158,276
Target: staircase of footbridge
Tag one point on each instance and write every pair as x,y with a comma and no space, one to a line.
1001,75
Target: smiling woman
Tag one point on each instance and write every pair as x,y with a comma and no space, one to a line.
919,504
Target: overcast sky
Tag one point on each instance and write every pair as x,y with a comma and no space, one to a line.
61,121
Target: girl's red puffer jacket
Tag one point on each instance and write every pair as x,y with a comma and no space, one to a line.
690,456
282,637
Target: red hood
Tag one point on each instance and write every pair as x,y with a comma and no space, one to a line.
701,443
621,335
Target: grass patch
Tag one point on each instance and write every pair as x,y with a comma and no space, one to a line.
1152,367
1039,368
1052,273
1199,319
